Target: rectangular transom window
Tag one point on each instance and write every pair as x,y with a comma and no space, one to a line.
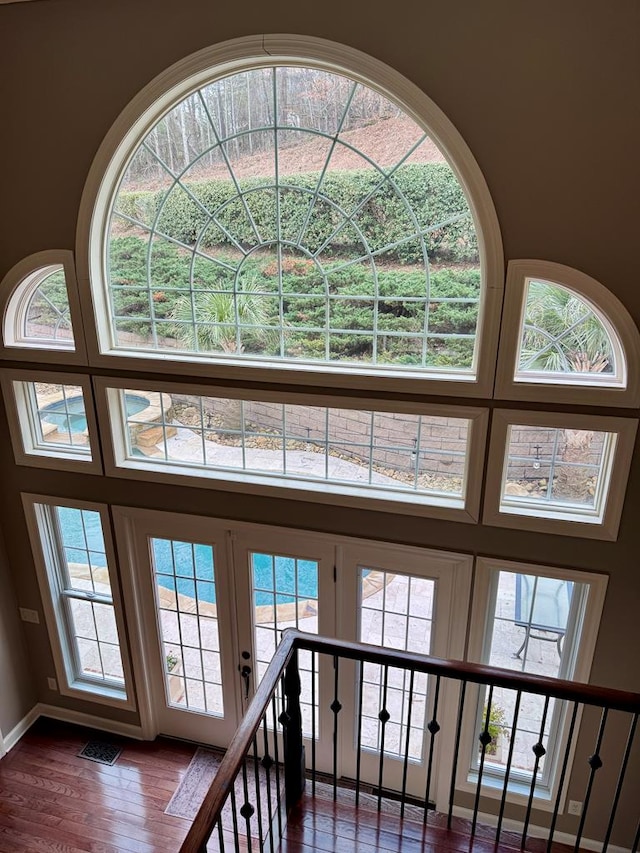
52,423
420,457
555,472
77,582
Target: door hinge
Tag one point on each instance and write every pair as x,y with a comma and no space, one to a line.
335,574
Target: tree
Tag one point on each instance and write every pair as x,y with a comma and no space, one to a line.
562,333
226,321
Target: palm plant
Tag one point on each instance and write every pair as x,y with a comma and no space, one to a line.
225,321
562,334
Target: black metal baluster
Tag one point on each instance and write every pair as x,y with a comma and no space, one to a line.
595,763
623,770
246,810
313,724
221,843
384,716
485,739
563,774
456,752
405,766
267,763
538,750
336,707
359,735
234,817
256,774
507,770
276,756
434,728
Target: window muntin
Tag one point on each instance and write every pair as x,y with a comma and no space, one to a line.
563,471
236,247
420,458
563,336
77,583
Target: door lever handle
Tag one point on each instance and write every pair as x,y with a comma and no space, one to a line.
245,672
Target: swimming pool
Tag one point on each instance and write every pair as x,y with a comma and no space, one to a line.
188,568
69,415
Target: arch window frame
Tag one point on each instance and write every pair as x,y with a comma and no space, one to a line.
622,390
18,288
237,55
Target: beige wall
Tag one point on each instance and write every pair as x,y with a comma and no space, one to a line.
544,94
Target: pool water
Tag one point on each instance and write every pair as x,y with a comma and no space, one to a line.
188,569
69,415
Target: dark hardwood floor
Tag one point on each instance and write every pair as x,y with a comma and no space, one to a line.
53,801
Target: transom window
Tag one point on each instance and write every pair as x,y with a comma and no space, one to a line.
292,214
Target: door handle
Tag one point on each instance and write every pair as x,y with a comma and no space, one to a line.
245,673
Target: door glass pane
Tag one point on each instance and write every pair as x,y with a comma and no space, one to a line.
185,591
529,631
285,595
396,611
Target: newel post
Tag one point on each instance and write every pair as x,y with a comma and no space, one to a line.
291,719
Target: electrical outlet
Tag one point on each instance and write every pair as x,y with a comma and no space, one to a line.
53,684
29,615
575,807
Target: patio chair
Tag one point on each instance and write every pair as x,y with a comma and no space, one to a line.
551,599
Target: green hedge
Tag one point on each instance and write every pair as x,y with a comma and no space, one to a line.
432,190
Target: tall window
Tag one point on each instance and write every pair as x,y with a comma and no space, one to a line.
77,583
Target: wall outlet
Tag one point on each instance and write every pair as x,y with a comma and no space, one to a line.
53,684
29,615
575,807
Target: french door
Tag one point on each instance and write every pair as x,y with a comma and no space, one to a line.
212,600
407,599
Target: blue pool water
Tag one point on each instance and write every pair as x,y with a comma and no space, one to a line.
69,415
189,568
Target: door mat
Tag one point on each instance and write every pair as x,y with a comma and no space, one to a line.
100,752
190,794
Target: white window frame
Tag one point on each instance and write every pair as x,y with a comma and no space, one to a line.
485,586
261,51
603,390
602,524
24,426
48,570
17,288
118,464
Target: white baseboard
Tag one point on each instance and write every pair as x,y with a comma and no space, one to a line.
538,831
9,740
12,738
90,721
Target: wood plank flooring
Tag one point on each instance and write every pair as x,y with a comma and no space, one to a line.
53,801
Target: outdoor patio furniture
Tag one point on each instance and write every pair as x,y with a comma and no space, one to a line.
551,599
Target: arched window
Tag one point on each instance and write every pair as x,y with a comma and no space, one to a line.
294,214
565,337
40,303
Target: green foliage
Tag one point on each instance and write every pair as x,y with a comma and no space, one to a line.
432,191
164,285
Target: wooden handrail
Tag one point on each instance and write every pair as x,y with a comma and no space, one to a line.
572,691
292,640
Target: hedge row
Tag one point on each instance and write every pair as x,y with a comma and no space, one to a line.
431,190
